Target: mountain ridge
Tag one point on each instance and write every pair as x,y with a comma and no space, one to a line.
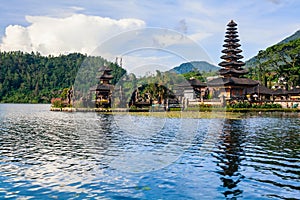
194,66
251,62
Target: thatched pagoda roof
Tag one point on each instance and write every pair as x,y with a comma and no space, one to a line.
231,24
233,64
225,71
235,51
105,77
104,69
231,60
233,45
233,56
102,87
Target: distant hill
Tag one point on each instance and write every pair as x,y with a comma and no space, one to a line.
290,38
193,66
251,62
33,78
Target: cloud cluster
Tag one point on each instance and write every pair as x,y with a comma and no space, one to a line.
75,33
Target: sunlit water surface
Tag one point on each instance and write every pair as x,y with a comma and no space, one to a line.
56,155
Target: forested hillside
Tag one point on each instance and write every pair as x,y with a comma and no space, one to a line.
32,78
253,61
280,62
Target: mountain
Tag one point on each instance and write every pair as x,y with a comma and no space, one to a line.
252,61
278,64
194,65
290,38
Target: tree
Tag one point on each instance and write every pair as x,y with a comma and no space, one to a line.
280,61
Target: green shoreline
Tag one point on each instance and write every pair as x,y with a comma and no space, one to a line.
219,113
242,110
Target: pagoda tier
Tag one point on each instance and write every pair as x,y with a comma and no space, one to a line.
228,65
237,57
233,71
231,64
231,45
231,40
231,51
232,34
105,76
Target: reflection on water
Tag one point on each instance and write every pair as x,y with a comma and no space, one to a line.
229,156
54,155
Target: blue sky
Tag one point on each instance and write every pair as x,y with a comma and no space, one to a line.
40,25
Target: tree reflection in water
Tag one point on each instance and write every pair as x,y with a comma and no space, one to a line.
229,156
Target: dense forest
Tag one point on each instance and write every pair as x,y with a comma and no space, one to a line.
278,65
33,78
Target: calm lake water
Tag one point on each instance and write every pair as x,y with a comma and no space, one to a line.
55,155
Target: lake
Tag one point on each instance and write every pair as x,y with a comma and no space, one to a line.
57,155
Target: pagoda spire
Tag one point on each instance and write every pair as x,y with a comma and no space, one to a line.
231,64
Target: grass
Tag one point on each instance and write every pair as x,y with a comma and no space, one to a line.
216,113
185,114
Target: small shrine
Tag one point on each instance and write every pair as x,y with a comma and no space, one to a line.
193,89
103,91
231,84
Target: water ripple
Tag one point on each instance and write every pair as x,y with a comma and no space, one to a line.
53,155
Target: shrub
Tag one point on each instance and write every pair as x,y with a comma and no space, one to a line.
175,109
57,102
240,105
133,107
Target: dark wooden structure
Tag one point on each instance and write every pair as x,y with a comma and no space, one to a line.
259,93
231,84
294,94
280,94
104,89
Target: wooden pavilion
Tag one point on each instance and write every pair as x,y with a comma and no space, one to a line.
103,90
259,93
294,94
193,89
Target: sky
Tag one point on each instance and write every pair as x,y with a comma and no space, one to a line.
145,33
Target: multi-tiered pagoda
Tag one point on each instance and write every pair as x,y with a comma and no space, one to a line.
231,84
104,88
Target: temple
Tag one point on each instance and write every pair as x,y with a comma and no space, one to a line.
231,84
104,88
228,88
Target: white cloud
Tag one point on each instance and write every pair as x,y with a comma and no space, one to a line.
142,49
76,33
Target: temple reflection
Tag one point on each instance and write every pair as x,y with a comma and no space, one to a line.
229,156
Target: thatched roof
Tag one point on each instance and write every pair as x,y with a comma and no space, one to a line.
232,81
295,91
196,83
259,89
231,24
104,69
279,92
102,87
224,71
105,77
